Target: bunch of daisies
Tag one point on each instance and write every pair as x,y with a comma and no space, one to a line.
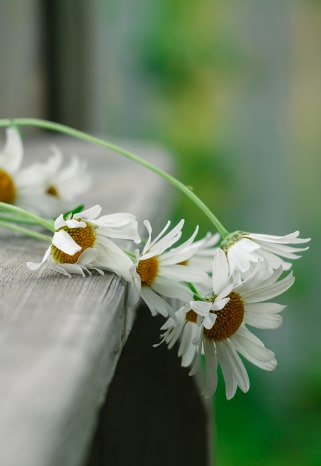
44,188
209,290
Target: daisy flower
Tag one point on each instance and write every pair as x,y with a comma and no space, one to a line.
162,271
59,184
217,326
203,254
82,242
243,249
11,158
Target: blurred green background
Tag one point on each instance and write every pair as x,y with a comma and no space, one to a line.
233,91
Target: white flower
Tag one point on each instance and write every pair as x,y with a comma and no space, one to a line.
45,188
58,185
11,158
244,249
162,271
219,330
203,252
82,242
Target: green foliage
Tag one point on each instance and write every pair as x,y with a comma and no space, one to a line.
236,106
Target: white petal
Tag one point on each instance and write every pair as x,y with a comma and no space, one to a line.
240,258
111,257
186,349
219,304
155,303
119,225
90,213
291,238
73,223
220,272
35,265
60,222
172,289
268,292
197,359
253,349
64,242
181,253
149,239
264,308
248,245
158,246
263,320
183,273
68,269
234,372
202,308
211,368
87,257
12,154
209,320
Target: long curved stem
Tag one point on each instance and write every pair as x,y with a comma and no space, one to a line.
87,137
24,231
24,214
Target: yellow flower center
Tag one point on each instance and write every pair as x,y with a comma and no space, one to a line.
147,270
7,188
85,237
228,319
52,191
191,316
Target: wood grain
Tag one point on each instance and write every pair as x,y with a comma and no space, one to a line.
60,338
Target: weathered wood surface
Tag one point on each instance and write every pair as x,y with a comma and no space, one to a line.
60,338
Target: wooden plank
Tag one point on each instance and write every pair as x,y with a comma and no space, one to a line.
60,338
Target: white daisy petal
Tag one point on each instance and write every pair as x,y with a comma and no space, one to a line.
12,154
172,289
291,238
183,273
234,372
211,368
263,320
37,266
220,272
201,307
256,354
186,350
196,365
89,214
64,242
155,303
268,292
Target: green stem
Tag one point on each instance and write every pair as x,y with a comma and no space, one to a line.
87,137
196,295
25,231
14,219
24,214
130,254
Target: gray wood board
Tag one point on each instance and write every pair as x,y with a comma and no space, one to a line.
60,338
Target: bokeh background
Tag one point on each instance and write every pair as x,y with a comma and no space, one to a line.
233,91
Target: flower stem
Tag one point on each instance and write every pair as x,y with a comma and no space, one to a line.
196,295
87,137
24,214
15,219
25,231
